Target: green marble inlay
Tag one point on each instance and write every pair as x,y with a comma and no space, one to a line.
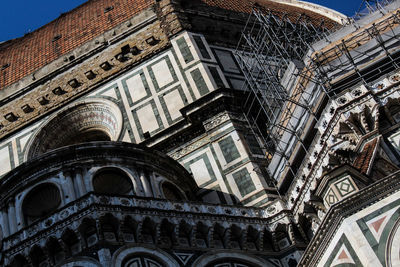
229,149
254,197
244,182
132,99
200,44
199,81
379,246
165,107
217,78
21,151
153,75
182,72
253,144
343,241
156,114
10,154
185,50
207,162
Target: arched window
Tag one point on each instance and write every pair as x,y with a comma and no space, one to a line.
229,259
142,260
171,192
112,182
229,263
140,256
40,202
100,120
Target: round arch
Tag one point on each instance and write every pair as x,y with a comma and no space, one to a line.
79,261
126,253
84,121
171,191
113,181
40,201
216,257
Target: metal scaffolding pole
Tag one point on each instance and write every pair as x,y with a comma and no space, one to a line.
286,79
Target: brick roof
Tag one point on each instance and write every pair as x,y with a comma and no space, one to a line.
245,6
363,160
22,56
34,50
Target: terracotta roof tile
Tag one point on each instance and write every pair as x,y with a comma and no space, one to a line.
245,6
363,160
34,50
37,49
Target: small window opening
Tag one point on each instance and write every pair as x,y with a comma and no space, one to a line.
112,182
108,9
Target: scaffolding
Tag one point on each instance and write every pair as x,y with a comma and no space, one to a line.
288,80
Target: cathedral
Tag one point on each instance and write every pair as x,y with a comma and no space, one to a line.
226,133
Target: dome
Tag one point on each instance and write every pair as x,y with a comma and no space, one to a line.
33,51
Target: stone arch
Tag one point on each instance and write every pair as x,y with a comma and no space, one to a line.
281,236
218,236
148,230
37,256
88,230
252,238
40,201
236,237
129,228
201,235
112,181
18,261
211,258
123,255
80,261
392,249
167,233
71,241
84,121
267,241
171,191
184,233
55,250
109,227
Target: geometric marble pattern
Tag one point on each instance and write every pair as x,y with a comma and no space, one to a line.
343,254
342,257
184,257
344,187
377,225
331,198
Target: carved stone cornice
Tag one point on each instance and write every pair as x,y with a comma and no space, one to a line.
94,206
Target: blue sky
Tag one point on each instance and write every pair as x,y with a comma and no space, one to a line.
18,17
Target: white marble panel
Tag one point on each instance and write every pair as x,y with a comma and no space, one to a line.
174,103
162,73
200,172
147,118
136,87
5,164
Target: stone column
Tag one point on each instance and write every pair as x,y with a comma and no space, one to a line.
4,222
79,182
146,185
70,186
12,220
